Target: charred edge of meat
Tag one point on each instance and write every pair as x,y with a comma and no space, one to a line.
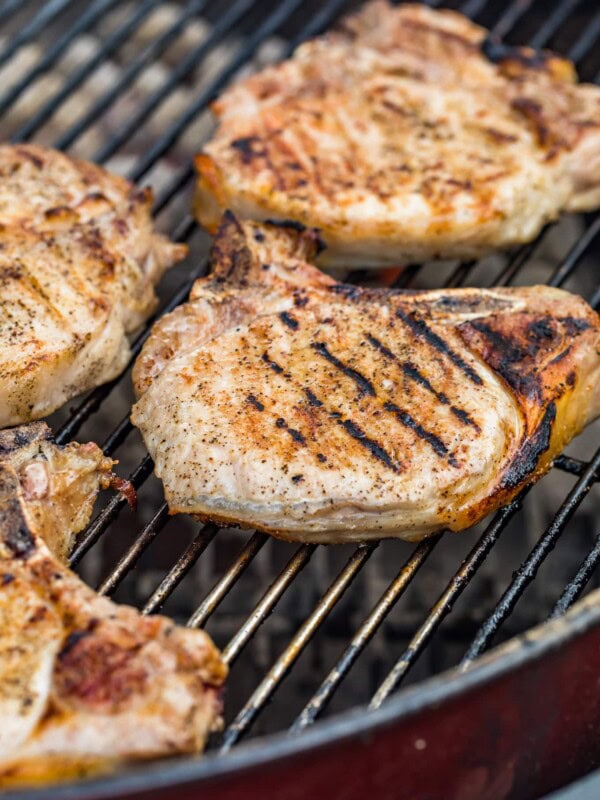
15,534
527,459
420,327
347,290
293,224
14,439
508,361
364,384
434,441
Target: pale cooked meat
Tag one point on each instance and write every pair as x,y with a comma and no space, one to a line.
405,134
282,400
84,684
78,262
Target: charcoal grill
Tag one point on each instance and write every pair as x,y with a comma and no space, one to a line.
128,85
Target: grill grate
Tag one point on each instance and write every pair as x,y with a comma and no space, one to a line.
249,26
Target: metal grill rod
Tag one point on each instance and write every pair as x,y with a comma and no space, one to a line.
142,541
181,568
321,698
225,24
532,563
91,15
268,602
172,134
74,81
286,660
220,590
574,589
148,55
49,11
447,599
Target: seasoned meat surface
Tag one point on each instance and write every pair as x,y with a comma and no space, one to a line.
78,262
280,399
406,134
84,684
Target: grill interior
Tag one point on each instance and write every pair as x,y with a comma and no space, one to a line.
127,84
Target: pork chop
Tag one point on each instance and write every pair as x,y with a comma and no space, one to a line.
282,400
406,134
78,263
84,684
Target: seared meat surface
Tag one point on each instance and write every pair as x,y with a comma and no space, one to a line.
84,684
406,134
280,399
78,263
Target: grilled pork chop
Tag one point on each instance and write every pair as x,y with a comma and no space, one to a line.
280,399
78,262
406,134
84,683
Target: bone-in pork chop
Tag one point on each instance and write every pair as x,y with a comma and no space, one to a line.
280,399
405,134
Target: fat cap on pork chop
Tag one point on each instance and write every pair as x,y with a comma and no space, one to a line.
405,134
279,399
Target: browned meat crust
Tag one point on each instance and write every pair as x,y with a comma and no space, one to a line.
280,399
405,134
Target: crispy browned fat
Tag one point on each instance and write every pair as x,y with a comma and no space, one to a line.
79,259
279,399
405,134
85,684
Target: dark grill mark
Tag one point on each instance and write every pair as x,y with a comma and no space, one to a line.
420,328
297,478
411,371
312,399
365,386
256,403
248,147
296,435
272,364
528,456
288,320
300,300
371,445
465,417
6,578
321,458
380,346
409,422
